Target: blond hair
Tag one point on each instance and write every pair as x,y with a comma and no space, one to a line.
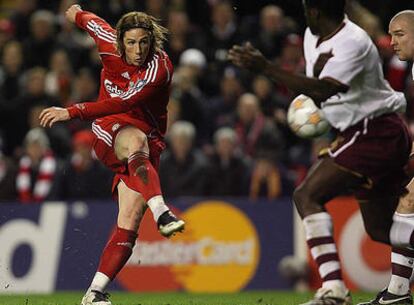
133,20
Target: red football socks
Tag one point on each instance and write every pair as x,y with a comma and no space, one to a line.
143,175
117,252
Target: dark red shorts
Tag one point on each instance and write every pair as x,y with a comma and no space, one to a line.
378,150
105,130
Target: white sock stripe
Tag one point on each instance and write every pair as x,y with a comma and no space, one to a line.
102,30
328,267
399,285
317,216
401,259
157,206
401,230
317,231
99,282
323,249
318,225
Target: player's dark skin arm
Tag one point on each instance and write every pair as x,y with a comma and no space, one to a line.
318,89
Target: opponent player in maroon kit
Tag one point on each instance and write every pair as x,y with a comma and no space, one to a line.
130,123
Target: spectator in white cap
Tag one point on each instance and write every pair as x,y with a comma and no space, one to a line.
194,59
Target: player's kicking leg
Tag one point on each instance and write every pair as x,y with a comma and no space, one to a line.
132,144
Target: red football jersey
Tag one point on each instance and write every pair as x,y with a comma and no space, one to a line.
127,92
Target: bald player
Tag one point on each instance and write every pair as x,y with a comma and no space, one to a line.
401,29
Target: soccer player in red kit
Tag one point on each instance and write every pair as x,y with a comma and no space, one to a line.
130,123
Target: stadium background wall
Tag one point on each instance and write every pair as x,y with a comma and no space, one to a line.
229,245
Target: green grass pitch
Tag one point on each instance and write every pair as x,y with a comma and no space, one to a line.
121,298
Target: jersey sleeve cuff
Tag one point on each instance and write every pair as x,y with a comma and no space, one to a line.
74,112
79,18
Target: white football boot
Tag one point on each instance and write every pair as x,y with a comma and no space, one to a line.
169,224
95,297
331,296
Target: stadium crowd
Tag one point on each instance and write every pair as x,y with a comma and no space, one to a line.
228,134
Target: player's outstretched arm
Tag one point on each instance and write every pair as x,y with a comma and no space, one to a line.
103,34
71,12
250,58
51,115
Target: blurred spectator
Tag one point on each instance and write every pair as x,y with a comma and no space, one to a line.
85,87
187,93
364,18
272,30
228,170
174,109
223,33
8,172
222,107
6,32
59,135
291,59
266,180
197,62
76,43
59,77
182,167
199,13
158,9
84,177
38,47
38,167
249,123
182,36
16,112
11,71
205,88
21,18
269,101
